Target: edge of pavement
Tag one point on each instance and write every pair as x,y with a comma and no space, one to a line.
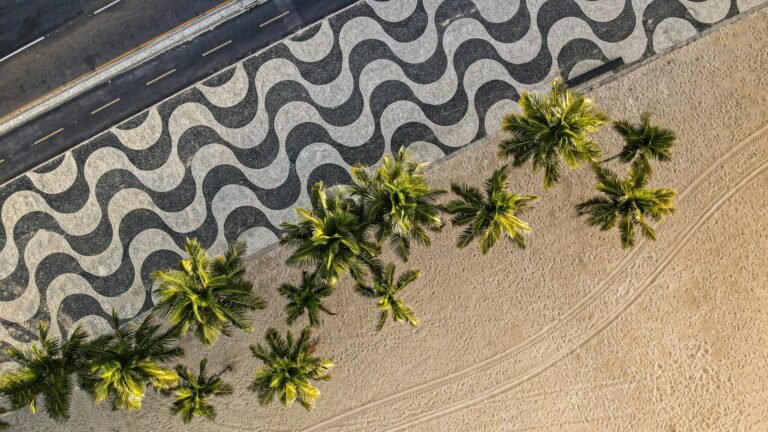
233,8
607,77
584,87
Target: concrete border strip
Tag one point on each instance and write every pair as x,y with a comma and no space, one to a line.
127,61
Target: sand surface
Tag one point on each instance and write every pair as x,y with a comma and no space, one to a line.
574,333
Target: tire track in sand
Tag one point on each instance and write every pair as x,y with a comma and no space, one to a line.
611,318
573,312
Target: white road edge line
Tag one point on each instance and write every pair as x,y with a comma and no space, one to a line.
161,77
48,136
22,48
266,23
173,38
105,106
105,7
218,47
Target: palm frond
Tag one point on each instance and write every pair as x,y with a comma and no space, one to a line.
207,296
330,237
554,130
644,141
627,203
306,298
121,365
386,288
4,425
45,371
288,369
397,201
192,393
489,217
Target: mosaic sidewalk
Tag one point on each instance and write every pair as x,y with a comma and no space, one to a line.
231,157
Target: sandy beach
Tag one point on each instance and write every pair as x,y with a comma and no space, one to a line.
574,333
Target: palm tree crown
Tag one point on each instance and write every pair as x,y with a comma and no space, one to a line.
122,364
192,393
491,216
289,366
386,289
398,202
644,140
627,202
46,370
551,128
4,425
331,236
307,297
207,296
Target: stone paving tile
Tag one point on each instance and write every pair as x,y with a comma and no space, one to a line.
231,157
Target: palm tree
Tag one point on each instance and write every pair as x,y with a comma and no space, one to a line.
491,216
46,370
551,128
398,202
627,202
644,141
125,362
4,425
331,236
307,297
207,296
192,393
289,366
386,289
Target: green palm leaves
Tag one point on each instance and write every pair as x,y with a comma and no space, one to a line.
489,216
644,141
552,128
558,126
124,363
386,289
307,297
46,370
331,237
394,202
628,203
192,393
398,202
207,296
4,425
289,366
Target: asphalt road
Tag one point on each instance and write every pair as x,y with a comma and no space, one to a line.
78,36
92,112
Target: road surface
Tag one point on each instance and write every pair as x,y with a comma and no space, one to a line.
65,39
61,128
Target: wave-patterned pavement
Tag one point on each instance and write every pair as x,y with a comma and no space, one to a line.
231,157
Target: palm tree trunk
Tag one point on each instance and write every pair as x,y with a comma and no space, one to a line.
322,308
616,156
227,368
